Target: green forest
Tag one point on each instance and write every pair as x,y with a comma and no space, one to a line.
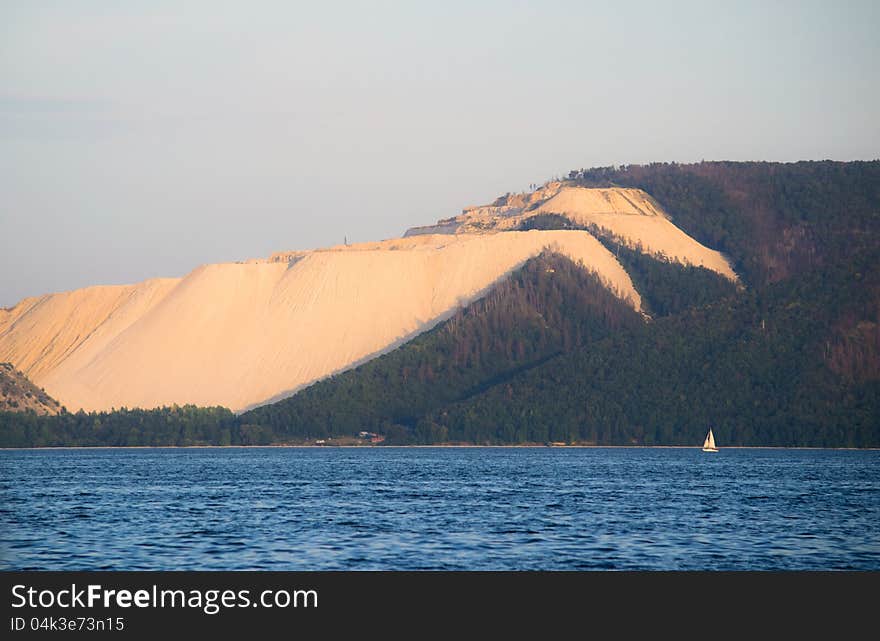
790,357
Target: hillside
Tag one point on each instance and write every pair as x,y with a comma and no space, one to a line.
244,334
772,220
793,358
18,394
549,307
637,344
551,355
241,334
758,366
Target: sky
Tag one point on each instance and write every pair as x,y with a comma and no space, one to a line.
141,139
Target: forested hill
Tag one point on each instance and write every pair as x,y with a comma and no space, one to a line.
19,394
549,308
780,365
773,220
790,356
791,359
765,367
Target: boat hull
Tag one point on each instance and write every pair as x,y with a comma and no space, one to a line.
710,449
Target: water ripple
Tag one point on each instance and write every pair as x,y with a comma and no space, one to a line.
439,509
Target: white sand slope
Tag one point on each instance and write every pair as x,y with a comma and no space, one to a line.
39,334
630,214
241,334
636,218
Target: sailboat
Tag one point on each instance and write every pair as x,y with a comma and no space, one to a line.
709,443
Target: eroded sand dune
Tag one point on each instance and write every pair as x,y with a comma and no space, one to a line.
39,334
630,214
636,218
240,334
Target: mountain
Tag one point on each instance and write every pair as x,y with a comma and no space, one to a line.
757,313
549,308
18,394
789,356
244,334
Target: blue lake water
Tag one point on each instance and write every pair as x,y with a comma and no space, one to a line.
439,508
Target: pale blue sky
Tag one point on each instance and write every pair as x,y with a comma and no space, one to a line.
143,138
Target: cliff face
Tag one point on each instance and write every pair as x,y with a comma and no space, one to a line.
243,334
18,394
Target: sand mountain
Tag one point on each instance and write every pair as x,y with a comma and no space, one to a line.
244,334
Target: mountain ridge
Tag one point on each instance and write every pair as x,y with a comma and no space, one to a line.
245,333
788,354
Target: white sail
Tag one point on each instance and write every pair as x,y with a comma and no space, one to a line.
709,443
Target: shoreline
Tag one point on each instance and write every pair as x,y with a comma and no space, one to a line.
439,446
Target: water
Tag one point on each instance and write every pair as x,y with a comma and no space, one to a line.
439,508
